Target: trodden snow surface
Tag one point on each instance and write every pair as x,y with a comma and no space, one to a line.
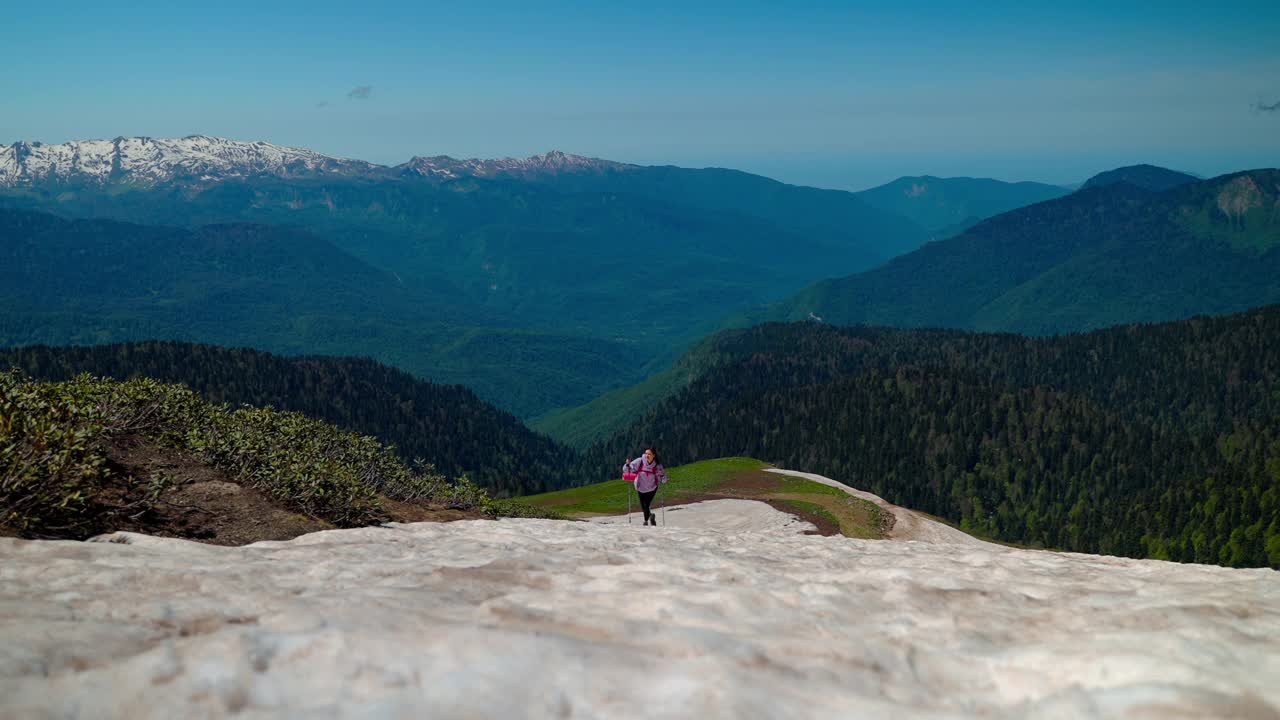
724,618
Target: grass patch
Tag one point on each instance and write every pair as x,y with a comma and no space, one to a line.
793,484
687,482
827,507
855,517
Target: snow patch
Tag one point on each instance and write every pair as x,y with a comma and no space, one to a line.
148,161
204,159
443,166
538,618
728,515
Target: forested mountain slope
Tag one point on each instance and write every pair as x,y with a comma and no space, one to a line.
1108,254
284,290
1146,440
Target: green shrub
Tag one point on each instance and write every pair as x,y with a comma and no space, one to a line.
466,495
53,463
50,463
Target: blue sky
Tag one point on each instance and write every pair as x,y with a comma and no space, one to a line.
842,95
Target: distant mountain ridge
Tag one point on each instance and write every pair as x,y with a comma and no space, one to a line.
1112,254
446,167
149,161
553,243
486,262
1147,177
944,206
1107,254
202,159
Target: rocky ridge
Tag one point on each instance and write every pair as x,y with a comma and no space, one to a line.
202,160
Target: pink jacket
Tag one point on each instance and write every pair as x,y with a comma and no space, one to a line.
648,474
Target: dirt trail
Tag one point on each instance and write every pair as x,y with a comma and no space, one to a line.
908,525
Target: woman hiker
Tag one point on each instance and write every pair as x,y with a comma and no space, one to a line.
649,474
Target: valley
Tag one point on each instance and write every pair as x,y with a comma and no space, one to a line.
603,360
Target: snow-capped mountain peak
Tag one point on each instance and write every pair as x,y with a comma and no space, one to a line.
202,160
147,161
444,166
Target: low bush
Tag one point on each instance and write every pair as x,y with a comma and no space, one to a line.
50,462
53,461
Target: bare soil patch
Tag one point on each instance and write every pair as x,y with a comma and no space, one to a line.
407,512
205,504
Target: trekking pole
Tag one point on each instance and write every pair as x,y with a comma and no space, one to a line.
628,506
662,503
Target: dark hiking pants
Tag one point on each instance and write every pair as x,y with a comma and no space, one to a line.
646,499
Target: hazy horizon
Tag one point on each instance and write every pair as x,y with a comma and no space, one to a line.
843,97
820,173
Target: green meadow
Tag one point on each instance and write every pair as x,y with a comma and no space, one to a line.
830,509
